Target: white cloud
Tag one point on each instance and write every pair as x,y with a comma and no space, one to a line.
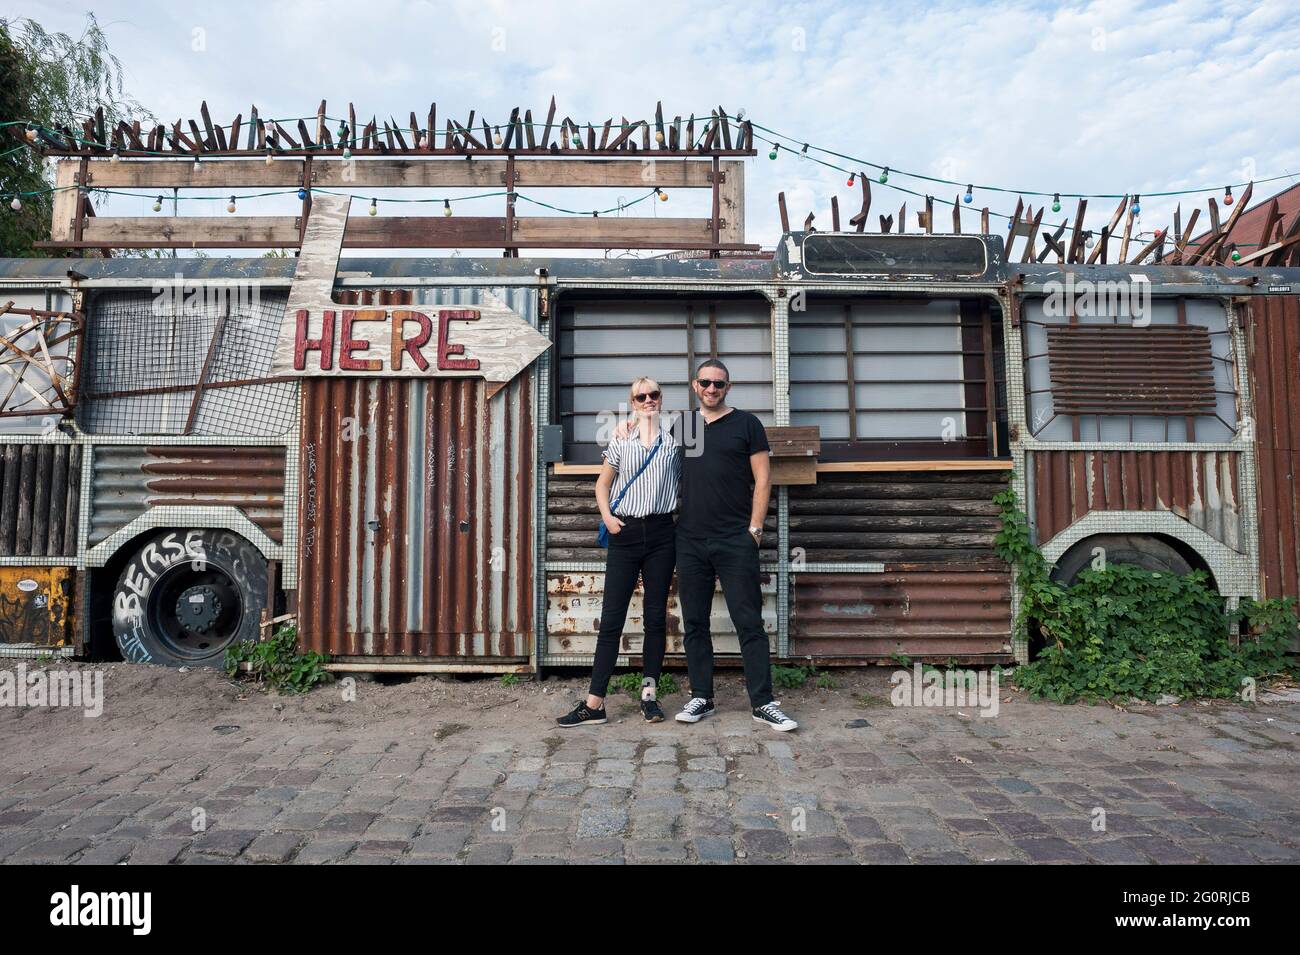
1106,97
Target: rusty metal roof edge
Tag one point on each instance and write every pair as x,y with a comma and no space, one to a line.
1210,280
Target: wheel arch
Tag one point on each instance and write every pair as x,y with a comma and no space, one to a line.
112,548
1230,571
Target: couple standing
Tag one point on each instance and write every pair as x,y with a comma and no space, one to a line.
724,492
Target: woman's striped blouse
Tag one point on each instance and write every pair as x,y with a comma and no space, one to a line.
655,491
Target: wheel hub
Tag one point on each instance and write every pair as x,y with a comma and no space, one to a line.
198,608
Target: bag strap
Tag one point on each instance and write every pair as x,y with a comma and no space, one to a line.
644,464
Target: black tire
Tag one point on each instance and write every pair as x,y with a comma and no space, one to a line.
185,596
1147,552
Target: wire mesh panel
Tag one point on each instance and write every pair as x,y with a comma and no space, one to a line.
185,364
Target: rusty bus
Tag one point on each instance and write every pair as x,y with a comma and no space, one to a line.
180,491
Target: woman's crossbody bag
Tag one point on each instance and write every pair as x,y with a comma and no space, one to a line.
602,535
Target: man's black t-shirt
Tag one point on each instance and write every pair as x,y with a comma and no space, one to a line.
718,483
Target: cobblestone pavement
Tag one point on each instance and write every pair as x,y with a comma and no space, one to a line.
472,772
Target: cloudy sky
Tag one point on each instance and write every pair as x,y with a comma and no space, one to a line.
1098,98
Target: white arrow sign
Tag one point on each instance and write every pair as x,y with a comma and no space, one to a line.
320,337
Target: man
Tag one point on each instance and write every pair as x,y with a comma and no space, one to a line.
724,494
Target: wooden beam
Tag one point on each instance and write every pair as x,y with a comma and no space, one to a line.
731,197
365,232
1099,250
577,173
859,220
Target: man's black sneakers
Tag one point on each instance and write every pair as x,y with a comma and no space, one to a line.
770,713
695,710
652,711
580,715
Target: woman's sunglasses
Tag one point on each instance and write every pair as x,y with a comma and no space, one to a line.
651,395
706,383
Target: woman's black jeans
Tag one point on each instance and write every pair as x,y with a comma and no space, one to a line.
644,548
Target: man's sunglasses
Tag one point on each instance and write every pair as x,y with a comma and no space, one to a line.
706,383
651,395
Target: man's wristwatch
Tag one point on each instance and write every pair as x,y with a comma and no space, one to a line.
756,532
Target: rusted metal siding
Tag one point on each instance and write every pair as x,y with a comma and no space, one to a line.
944,592
1273,326
130,479
416,513
575,600
40,486
918,613
1202,487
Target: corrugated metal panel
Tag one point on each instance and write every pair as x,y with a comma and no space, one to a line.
574,604
40,487
1200,486
1274,363
919,613
129,479
416,537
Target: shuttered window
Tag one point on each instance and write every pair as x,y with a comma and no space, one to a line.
898,379
1141,371
604,345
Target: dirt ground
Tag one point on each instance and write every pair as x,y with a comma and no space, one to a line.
192,766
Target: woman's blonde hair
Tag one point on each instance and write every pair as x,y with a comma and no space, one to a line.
636,383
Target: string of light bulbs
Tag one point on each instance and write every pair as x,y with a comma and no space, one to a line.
15,199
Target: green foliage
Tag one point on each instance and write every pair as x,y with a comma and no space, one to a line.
509,679
630,683
1127,632
50,79
792,678
278,664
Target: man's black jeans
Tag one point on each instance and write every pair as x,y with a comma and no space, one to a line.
644,548
733,560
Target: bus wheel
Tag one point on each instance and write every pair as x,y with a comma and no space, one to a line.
186,595
1145,551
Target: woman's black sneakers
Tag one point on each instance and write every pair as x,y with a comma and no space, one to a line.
652,711
580,715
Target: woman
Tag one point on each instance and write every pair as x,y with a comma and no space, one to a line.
642,471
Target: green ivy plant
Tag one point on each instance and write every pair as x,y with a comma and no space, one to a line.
1125,632
630,683
277,663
